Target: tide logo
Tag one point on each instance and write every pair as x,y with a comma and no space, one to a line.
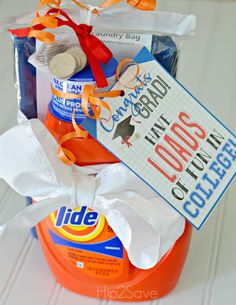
80,224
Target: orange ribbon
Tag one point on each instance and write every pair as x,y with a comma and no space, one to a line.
47,21
122,67
66,156
145,5
89,97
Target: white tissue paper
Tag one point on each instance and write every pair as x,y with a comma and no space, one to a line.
145,224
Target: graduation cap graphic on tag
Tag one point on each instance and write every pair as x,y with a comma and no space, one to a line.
124,130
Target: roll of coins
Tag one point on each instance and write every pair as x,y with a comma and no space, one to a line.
65,65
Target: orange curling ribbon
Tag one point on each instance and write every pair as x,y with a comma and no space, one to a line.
123,65
92,98
145,5
47,21
89,97
66,156
81,5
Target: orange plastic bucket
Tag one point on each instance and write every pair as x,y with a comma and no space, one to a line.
119,281
75,252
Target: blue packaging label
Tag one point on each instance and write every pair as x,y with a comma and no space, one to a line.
63,108
112,247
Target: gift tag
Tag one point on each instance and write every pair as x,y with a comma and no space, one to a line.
169,139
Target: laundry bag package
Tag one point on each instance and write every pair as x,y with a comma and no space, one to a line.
96,87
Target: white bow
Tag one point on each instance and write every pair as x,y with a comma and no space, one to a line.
144,223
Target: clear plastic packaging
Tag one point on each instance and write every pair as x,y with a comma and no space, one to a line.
161,33
123,45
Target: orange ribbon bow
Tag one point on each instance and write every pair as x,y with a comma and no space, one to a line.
95,50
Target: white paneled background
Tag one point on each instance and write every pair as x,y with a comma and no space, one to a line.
207,69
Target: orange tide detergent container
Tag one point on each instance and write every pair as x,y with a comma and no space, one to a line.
81,248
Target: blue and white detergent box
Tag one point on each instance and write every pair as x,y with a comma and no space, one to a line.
168,139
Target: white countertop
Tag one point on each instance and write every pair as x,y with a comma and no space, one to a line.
207,68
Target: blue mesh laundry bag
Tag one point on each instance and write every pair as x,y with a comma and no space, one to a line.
165,51
24,47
